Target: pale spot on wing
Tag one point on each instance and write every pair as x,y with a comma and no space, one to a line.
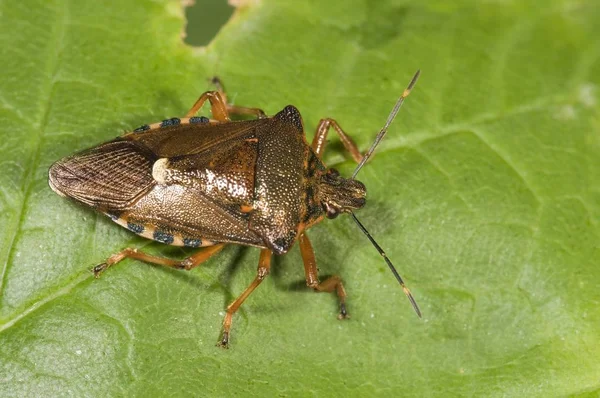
160,170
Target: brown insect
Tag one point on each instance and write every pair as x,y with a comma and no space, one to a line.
202,182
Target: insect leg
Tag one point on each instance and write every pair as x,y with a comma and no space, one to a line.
187,263
319,141
242,110
218,106
264,265
333,283
233,109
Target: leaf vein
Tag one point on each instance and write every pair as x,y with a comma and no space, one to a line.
44,114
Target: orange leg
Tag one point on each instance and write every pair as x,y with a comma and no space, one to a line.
219,107
318,144
264,265
187,264
333,283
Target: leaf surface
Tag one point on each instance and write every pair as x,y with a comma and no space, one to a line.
485,194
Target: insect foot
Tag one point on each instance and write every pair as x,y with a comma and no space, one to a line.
99,269
224,343
343,313
115,258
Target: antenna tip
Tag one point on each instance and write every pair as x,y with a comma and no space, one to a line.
412,301
411,84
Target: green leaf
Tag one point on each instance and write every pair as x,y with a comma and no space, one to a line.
485,194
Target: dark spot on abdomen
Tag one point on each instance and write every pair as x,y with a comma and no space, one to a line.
164,237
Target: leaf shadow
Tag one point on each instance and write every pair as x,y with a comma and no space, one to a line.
225,278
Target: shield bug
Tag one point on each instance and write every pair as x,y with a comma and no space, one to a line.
202,182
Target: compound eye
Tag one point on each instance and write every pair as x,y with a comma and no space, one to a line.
331,212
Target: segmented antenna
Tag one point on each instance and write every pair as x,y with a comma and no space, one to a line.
389,263
364,160
389,121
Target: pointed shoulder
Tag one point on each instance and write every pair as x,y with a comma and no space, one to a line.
282,150
291,115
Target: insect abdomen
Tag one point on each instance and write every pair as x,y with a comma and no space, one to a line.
154,232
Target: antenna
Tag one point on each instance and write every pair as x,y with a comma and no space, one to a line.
389,121
387,260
